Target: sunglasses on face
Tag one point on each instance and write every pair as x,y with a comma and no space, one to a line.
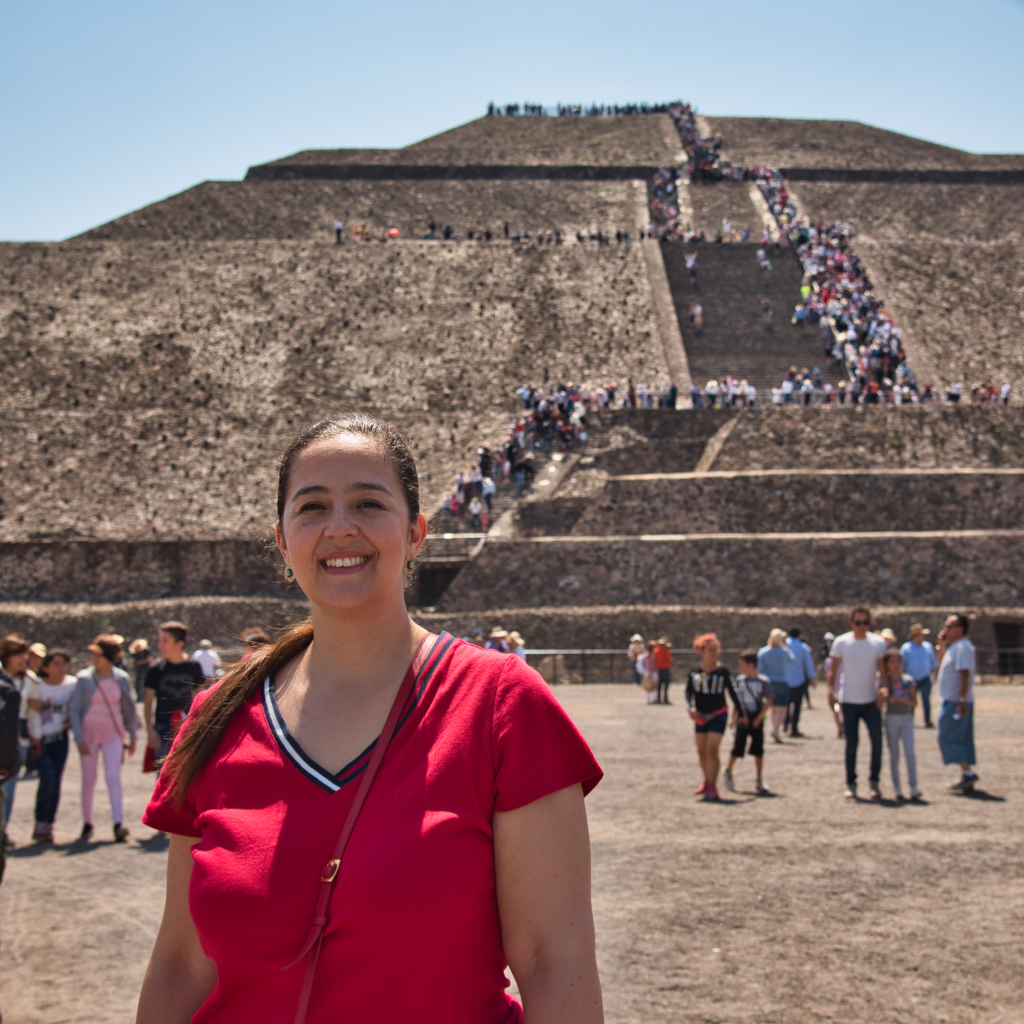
862,622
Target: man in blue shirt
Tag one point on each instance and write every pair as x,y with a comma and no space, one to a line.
800,673
919,663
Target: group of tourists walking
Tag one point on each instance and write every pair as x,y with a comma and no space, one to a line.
44,710
869,677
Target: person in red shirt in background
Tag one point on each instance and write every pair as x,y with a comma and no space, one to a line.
663,659
471,849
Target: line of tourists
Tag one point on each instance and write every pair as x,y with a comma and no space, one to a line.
870,678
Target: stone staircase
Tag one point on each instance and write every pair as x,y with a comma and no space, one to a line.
734,339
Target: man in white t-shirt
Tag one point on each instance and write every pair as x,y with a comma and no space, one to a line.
956,692
860,656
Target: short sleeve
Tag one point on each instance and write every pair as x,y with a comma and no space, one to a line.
163,812
536,748
152,678
962,658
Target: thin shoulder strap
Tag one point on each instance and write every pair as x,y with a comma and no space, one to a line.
113,718
329,875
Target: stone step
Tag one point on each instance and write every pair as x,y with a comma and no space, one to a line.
984,567
734,338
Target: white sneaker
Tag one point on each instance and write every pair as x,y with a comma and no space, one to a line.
727,779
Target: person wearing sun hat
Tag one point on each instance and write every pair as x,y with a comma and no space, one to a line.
497,641
517,645
635,651
920,663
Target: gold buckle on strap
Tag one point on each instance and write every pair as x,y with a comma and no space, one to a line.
330,872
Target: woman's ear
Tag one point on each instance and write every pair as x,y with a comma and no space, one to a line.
418,533
279,537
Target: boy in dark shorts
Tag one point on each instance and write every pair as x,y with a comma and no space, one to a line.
755,699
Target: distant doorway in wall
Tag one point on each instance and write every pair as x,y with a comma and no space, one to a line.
1010,642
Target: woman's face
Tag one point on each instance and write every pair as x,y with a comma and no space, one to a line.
17,663
711,651
345,530
103,667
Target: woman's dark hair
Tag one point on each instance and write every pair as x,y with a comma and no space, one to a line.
10,646
208,722
50,655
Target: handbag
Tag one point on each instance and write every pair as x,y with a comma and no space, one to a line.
329,875
117,728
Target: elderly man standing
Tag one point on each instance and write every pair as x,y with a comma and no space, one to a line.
860,656
919,663
956,691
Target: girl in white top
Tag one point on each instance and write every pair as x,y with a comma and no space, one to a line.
49,714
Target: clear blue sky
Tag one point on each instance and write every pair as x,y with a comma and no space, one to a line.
113,104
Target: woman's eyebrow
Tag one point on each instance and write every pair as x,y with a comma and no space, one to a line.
368,487
312,488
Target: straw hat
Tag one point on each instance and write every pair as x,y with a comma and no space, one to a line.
515,639
888,634
918,630
636,638
498,634
664,641
39,650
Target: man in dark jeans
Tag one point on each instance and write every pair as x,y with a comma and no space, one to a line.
860,656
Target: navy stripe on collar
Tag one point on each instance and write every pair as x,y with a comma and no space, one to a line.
316,773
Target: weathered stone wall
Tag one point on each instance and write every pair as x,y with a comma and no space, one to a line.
650,141
107,571
801,569
865,437
150,387
306,210
595,627
791,142
797,502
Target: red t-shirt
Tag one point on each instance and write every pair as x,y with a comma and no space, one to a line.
662,656
414,931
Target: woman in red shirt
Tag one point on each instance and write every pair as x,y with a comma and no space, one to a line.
471,850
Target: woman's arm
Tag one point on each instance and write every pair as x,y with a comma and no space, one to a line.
542,862
180,975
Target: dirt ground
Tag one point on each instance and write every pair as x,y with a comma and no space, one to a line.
783,910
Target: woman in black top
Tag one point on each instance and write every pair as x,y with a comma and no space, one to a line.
706,688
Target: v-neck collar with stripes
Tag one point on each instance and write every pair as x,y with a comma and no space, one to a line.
317,773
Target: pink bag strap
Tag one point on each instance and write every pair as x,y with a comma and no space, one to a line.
329,875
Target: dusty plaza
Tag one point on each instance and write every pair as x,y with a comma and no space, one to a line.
795,908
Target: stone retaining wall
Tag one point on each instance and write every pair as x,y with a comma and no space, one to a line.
807,570
806,503
223,620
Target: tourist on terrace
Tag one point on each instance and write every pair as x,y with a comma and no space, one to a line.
919,663
706,687
800,675
860,656
10,748
956,691
14,661
899,724
663,659
635,651
360,734
754,701
773,661
104,722
49,717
